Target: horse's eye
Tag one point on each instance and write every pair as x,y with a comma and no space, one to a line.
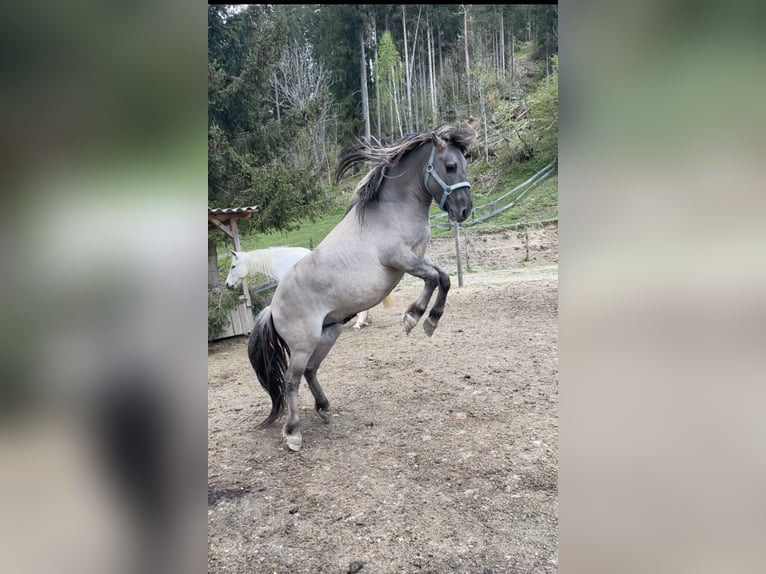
451,167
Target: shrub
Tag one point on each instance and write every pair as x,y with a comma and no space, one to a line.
219,303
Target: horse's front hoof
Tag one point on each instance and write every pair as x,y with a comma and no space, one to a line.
409,322
294,442
429,326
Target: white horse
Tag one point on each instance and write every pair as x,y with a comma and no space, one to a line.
274,262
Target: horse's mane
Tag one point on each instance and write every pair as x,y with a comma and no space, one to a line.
263,260
381,156
259,261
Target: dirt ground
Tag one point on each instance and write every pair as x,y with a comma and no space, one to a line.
441,455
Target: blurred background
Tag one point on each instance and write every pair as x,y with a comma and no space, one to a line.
662,280
103,441
103,425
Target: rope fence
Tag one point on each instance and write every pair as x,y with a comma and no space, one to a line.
520,190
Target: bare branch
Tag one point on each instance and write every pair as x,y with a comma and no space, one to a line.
299,78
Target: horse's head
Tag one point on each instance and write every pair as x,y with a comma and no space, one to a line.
445,179
238,270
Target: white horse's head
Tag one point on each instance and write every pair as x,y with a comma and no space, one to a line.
238,270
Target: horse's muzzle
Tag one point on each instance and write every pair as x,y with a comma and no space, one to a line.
462,210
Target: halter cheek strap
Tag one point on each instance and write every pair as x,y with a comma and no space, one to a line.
446,189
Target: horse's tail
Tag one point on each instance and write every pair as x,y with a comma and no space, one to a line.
268,354
388,301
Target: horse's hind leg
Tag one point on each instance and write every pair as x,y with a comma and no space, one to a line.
330,334
291,431
362,319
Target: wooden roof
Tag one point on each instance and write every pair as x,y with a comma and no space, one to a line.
219,214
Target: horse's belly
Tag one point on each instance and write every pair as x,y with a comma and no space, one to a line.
352,297
333,287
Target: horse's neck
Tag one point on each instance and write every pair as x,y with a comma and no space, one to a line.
404,183
282,262
260,262
274,262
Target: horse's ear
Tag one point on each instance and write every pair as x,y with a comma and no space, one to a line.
234,253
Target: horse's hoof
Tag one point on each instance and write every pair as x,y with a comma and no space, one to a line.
294,441
409,322
429,326
324,415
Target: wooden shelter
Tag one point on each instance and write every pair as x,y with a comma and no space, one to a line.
225,219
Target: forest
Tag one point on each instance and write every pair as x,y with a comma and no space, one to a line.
290,85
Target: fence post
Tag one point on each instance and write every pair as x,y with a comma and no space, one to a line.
238,247
457,255
526,242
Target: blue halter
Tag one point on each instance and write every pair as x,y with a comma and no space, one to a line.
446,189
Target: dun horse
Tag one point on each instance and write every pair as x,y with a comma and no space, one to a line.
383,236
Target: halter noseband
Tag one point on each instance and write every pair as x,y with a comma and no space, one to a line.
446,189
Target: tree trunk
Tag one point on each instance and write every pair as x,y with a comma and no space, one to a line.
391,107
407,67
467,65
513,65
547,66
483,111
396,105
276,95
411,67
376,79
502,45
363,80
431,81
424,100
416,107
441,63
377,99
453,82
313,142
213,276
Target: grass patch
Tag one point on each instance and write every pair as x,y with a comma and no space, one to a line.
309,234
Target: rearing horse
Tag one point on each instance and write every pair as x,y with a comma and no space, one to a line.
383,236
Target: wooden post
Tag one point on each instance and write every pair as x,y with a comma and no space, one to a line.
526,242
213,277
238,247
467,250
457,255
